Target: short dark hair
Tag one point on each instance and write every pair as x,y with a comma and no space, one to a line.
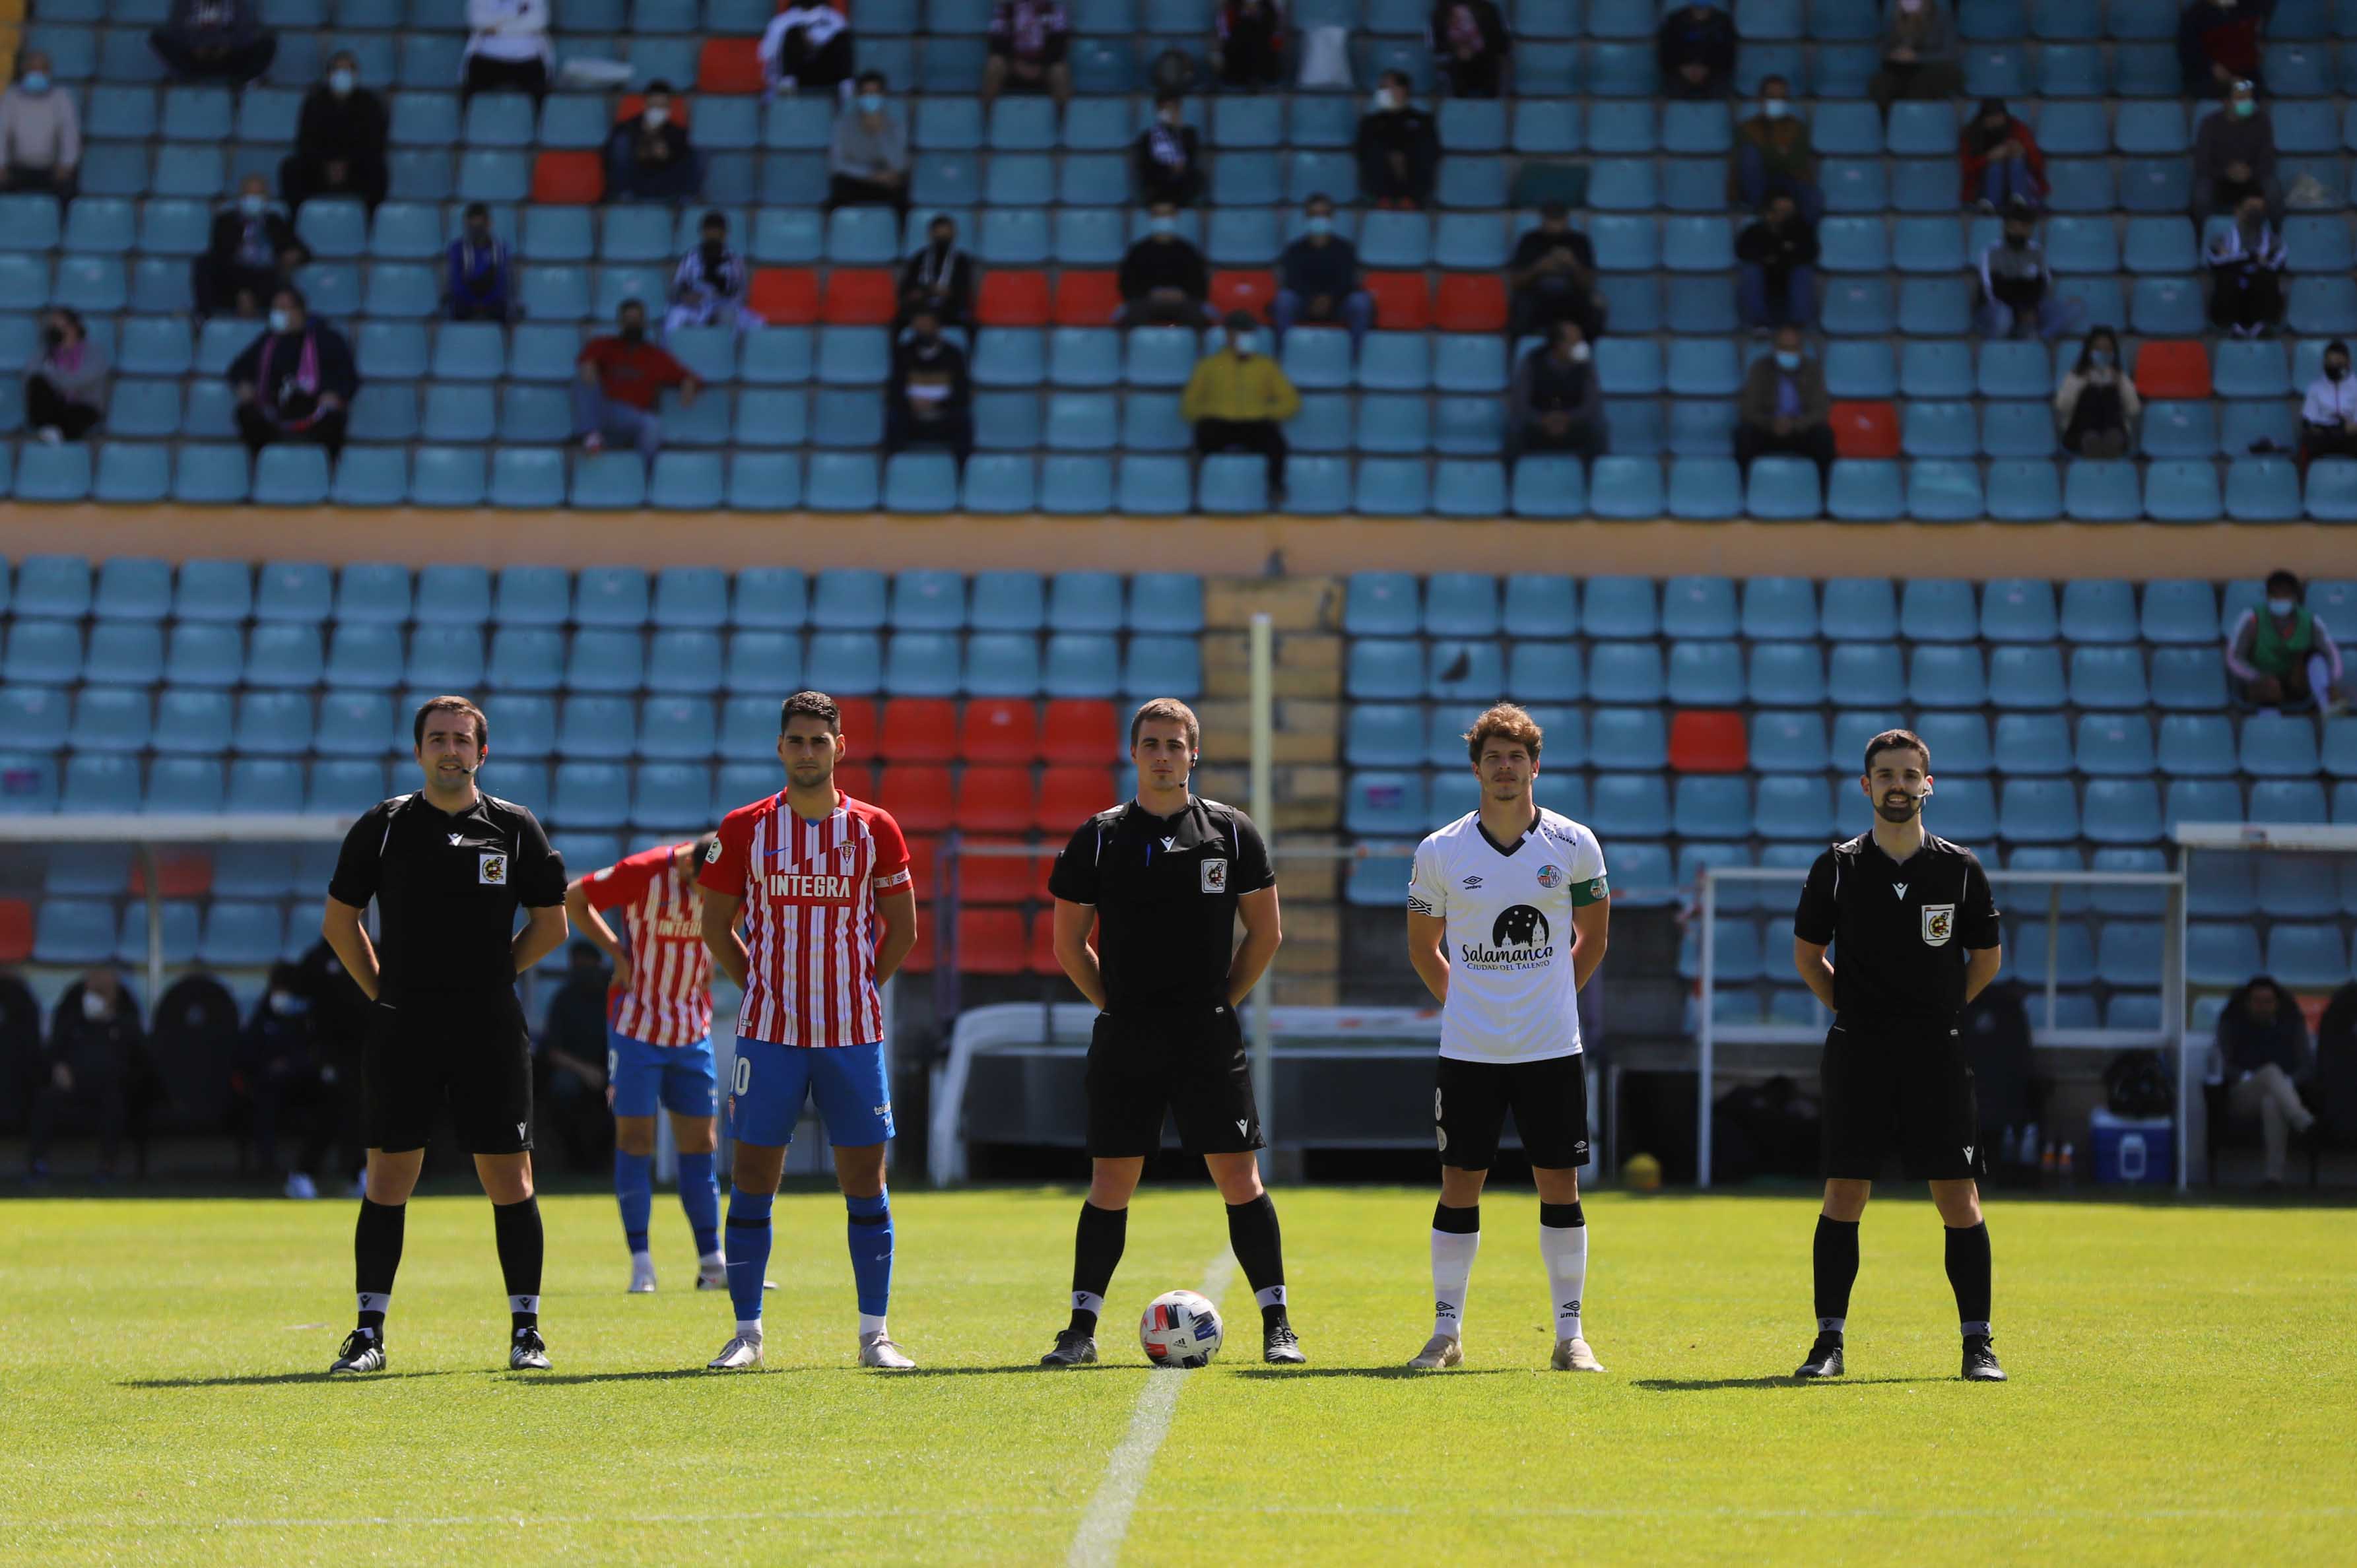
478,209
1315,197
1169,96
449,705
1896,740
811,705
1399,76
2283,575
875,76
1774,78
715,219
631,301
1168,710
291,291
657,85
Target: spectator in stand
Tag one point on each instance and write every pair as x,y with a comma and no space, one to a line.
938,278
1696,51
1784,408
1556,404
2001,161
2246,263
507,47
1248,43
1238,399
2096,407
568,1062
1399,149
2235,158
2327,416
1553,275
340,141
295,382
2263,1051
1918,54
808,45
1166,154
252,254
1773,155
1469,44
1318,279
482,282
709,286
2016,292
1164,280
649,157
65,383
95,1065
930,400
214,40
617,378
1776,274
1027,40
868,163
2219,43
286,1084
40,132
2280,656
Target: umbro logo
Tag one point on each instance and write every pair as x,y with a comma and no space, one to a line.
1472,882
1898,889
1569,1309
1444,1309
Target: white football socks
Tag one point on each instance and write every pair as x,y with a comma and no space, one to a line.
1565,1247
1452,1274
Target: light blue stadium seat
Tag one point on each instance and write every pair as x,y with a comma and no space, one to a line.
1781,487
1790,806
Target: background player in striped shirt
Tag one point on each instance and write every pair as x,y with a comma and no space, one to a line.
829,911
658,1039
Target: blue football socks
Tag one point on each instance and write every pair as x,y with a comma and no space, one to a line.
634,1189
748,1249
699,1195
870,1232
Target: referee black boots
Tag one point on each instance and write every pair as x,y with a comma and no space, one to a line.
1980,1361
1824,1360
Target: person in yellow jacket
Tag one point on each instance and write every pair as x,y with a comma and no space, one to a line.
1239,398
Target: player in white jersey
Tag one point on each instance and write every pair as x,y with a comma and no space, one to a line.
1507,918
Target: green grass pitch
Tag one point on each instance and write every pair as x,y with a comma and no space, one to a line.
2184,1389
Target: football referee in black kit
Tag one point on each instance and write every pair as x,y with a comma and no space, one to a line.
1165,879
1914,932
448,867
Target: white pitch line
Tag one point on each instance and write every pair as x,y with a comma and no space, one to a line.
1097,1543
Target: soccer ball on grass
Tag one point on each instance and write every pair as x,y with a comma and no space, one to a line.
1180,1328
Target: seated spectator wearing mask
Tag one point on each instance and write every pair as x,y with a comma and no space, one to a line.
618,380
1783,409
1776,276
254,253
929,402
568,1062
938,279
66,384
96,1065
2002,164
1167,155
649,157
1774,155
2263,1051
868,162
295,382
2016,292
1163,279
2280,656
1695,51
40,132
214,40
1238,399
2247,263
481,271
807,45
1918,55
2235,158
1553,275
507,47
1469,46
710,285
340,141
1317,280
2218,44
286,1084
1248,43
2096,406
2328,415
1398,147
1556,403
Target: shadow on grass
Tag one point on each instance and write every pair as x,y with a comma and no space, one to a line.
1707,1385
1096,1367
267,1380
1290,1374
652,1375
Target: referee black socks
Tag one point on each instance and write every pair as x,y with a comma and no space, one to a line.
1968,1275
376,1257
516,1227
1835,1255
1096,1252
1254,1237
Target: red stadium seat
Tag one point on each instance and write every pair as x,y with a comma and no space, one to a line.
187,874
920,797
1069,795
1708,740
1043,944
1080,730
1468,302
568,179
1402,302
918,729
731,65
1085,298
1866,429
857,779
2167,368
859,296
1001,878
681,110
784,296
992,800
15,930
1013,298
924,868
857,717
999,729
991,942
1248,291
920,956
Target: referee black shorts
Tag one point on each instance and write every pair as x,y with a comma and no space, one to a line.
1904,1090
468,1050
1189,1065
1548,1099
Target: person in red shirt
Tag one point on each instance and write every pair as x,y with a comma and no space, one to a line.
658,1039
621,375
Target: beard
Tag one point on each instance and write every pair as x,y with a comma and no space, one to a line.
1897,809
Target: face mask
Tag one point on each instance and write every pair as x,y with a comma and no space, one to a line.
35,81
2245,107
252,206
714,249
478,235
53,336
1319,226
287,1005
634,331
1788,358
1775,108
1163,225
656,114
2100,357
2335,369
871,103
281,320
1386,99
94,1007
927,343
1910,6
1171,117
1247,341
2016,241
341,82
2282,607
1579,353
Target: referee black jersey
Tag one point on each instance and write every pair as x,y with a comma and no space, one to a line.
446,888
1164,890
1900,930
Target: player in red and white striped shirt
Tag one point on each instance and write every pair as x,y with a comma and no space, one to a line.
658,1040
822,884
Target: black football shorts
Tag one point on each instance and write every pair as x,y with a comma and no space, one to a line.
469,1051
1905,1091
1191,1066
1548,1099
